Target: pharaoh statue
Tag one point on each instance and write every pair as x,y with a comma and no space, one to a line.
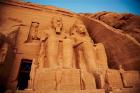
50,43
58,46
86,55
49,48
86,50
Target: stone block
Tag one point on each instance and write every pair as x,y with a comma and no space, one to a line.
127,90
114,80
57,79
45,79
131,79
70,79
87,80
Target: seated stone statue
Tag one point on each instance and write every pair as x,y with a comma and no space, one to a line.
50,43
81,38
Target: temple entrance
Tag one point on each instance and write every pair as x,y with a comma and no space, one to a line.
24,74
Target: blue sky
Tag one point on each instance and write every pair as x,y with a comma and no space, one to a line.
92,6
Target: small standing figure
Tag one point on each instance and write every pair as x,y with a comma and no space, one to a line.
33,74
33,33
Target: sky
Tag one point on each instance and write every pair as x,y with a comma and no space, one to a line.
93,6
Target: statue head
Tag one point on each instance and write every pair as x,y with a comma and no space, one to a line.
78,28
57,24
35,24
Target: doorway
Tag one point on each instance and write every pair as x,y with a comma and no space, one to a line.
24,74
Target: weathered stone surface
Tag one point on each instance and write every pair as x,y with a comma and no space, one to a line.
114,80
57,79
46,79
101,56
64,53
128,23
126,90
115,43
131,79
70,80
67,91
87,81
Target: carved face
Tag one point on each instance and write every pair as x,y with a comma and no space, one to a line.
81,29
57,24
35,24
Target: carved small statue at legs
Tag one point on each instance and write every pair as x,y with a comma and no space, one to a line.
33,74
33,32
41,58
58,78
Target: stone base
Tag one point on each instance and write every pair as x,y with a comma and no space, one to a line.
66,91
57,79
126,90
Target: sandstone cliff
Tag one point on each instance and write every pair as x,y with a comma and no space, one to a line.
128,23
120,34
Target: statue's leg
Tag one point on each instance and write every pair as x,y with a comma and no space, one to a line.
67,53
52,52
90,56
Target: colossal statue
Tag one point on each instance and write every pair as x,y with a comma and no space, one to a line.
82,39
50,43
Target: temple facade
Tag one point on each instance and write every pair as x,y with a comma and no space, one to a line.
45,49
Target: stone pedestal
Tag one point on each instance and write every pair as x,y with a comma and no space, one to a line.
57,79
131,79
114,80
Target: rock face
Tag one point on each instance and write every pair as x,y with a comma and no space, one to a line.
125,29
49,49
128,23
